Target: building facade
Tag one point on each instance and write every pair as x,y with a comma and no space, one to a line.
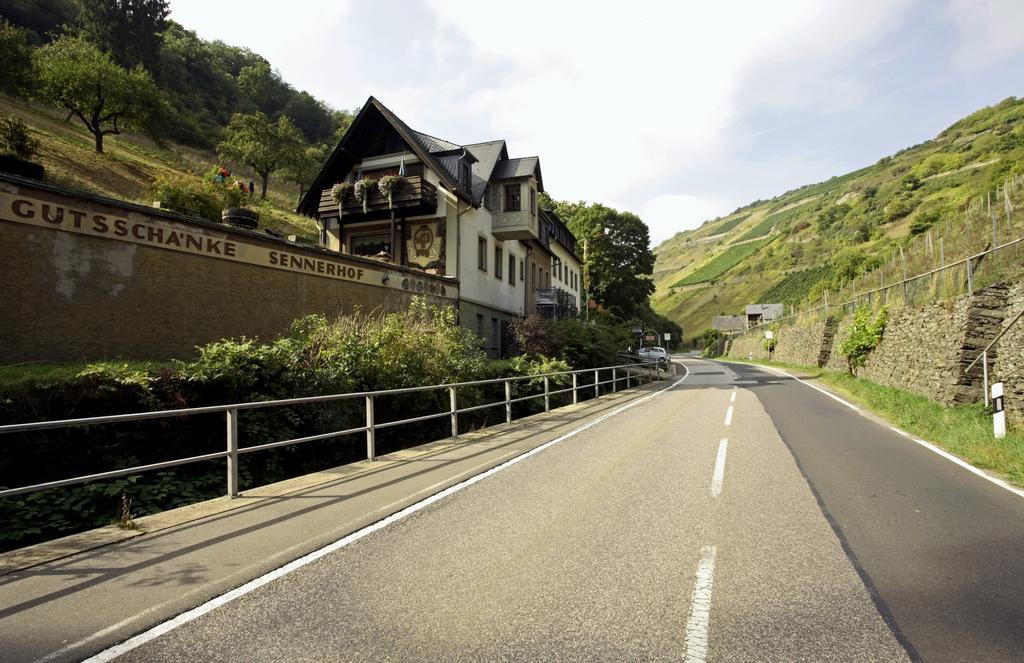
468,214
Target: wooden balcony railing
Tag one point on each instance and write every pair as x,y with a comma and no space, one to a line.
412,196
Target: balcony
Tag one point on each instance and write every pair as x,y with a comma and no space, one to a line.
520,224
413,196
555,303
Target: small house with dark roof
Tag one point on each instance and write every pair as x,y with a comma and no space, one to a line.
468,213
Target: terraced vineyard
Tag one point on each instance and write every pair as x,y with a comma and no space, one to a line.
722,263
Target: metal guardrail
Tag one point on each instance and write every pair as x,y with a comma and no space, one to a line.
984,355
647,371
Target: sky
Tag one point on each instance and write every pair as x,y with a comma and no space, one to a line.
677,111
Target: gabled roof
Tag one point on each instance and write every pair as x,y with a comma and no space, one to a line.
521,167
487,155
345,156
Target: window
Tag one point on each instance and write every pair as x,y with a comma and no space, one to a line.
497,261
558,269
479,325
533,200
511,269
481,253
371,244
522,270
494,335
494,197
467,177
512,201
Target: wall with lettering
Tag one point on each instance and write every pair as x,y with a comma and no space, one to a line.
87,278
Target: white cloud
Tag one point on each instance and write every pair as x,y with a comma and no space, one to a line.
988,31
668,214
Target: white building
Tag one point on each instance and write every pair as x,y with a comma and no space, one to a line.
466,212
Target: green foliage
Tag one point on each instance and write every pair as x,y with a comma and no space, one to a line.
105,97
128,29
619,262
728,225
924,221
591,345
265,146
796,286
16,76
189,195
864,336
15,138
722,263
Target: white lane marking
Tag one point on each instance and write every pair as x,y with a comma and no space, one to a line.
927,445
732,399
815,387
898,431
967,466
728,416
719,475
700,608
216,602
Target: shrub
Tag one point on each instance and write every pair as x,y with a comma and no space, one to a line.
188,195
15,138
865,334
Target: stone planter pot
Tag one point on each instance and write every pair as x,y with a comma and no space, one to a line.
240,217
12,164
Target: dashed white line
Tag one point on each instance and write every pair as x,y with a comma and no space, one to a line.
719,475
216,602
728,416
732,399
700,608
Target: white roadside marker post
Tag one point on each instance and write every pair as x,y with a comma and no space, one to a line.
998,416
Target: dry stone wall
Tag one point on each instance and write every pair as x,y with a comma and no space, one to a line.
925,350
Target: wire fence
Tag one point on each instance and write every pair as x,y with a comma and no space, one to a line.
954,257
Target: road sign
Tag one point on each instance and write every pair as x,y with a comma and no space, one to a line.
769,334
668,336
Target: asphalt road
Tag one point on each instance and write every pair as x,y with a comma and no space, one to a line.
737,516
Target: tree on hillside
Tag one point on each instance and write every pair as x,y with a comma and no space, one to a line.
15,59
263,87
255,141
303,169
341,120
127,29
75,75
619,260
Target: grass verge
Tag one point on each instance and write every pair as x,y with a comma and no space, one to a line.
964,430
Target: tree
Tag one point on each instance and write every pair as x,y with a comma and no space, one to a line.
263,87
254,141
619,259
127,29
303,169
107,98
341,120
310,115
15,59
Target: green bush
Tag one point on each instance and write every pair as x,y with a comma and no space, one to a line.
865,335
15,138
188,195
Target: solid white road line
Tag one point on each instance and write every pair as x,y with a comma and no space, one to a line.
927,445
728,416
967,466
732,399
193,614
700,608
719,475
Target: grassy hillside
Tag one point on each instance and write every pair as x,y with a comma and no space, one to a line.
843,234
131,163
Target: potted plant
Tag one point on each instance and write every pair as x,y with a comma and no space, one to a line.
17,147
338,193
387,186
235,196
362,189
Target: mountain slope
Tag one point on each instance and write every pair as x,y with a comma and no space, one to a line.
840,233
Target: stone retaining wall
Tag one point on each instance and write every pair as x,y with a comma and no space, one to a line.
925,350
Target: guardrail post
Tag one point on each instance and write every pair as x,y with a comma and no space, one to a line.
575,385
629,374
454,411
970,277
371,431
232,437
508,401
984,374
597,389
547,394
615,383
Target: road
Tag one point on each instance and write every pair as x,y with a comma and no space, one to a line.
733,515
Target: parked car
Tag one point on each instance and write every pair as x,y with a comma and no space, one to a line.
658,354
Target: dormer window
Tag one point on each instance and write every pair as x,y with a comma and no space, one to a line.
466,176
513,201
